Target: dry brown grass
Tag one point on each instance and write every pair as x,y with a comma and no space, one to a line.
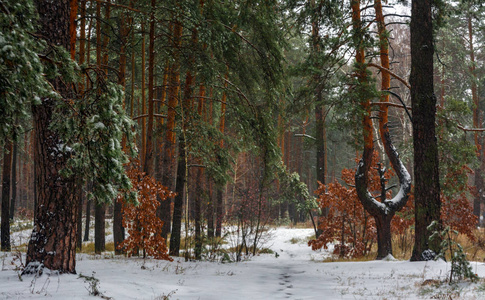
88,248
402,246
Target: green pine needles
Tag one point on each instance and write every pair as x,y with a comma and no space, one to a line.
91,124
92,128
21,71
460,266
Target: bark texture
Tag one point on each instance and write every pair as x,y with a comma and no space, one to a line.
427,188
168,153
7,171
383,211
53,241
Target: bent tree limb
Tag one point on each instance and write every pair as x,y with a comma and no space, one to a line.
383,211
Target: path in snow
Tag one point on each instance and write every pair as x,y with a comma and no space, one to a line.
297,273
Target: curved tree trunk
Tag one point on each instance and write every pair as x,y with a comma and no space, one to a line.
381,211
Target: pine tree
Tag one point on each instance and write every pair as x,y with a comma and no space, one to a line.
426,174
53,241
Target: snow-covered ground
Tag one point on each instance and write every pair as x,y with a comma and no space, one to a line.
295,273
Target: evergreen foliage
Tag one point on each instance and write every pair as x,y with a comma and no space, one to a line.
460,266
92,127
22,81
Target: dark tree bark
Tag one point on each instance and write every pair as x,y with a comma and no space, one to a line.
169,162
198,213
426,175
6,186
53,241
220,187
148,159
178,200
181,181
99,228
210,211
88,220
13,196
199,192
219,210
158,152
79,230
118,229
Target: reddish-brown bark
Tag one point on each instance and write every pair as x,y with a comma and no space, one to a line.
53,241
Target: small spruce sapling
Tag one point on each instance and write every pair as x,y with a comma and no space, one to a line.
460,266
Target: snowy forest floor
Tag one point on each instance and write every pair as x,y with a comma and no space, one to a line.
296,272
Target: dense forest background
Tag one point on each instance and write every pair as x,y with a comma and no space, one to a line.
232,115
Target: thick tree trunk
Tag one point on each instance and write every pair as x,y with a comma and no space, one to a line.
118,229
79,229
6,186
168,161
426,174
99,228
384,237
53,241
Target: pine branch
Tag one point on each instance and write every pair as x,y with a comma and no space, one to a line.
390,73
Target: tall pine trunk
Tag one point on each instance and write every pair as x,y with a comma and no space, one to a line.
102,61
53,241
220,187
426,174
182,172
79,229
13,196
118,229
476,123
168,153
199,192
99,228
179,199
88,220
148,159
6,186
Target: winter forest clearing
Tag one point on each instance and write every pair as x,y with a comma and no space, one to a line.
174,148
291,271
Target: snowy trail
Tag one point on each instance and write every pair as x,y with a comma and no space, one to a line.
295,273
